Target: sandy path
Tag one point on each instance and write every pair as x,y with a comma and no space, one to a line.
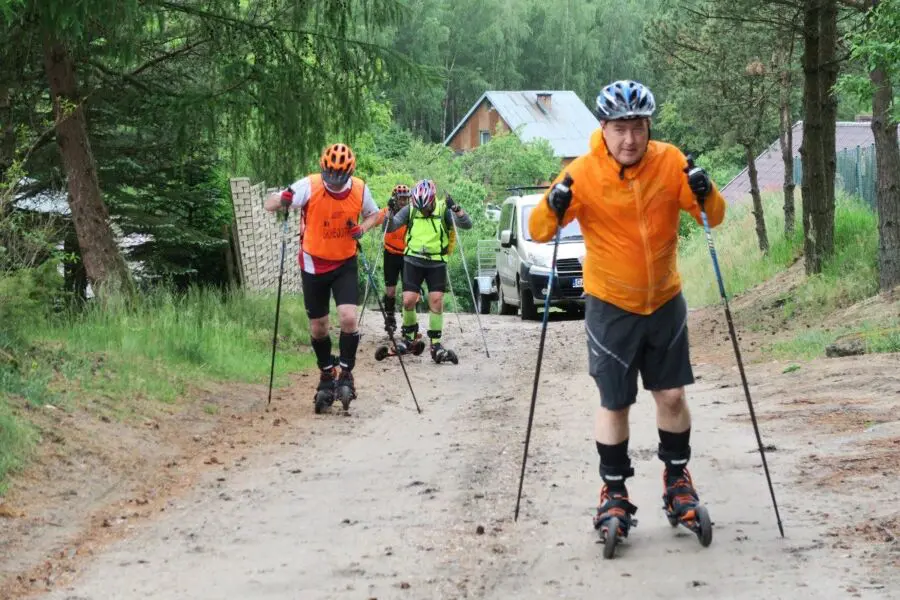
385,503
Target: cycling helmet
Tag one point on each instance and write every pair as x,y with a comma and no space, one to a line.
424,194
624,100
337,164
400,191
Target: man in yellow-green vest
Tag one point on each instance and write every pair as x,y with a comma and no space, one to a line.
429,238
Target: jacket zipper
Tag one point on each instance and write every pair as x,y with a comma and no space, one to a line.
639,200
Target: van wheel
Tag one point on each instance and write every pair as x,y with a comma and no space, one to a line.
505,309
529,310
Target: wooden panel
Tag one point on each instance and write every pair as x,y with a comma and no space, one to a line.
484,118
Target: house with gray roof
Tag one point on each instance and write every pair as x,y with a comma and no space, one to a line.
560,117
770,166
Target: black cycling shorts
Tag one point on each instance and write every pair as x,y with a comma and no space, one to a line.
341,283
622,344
393,266
434,277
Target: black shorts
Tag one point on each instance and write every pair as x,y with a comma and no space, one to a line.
434,277
318,289
621,344
393,266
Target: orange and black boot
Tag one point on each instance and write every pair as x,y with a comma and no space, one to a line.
679,496
614,503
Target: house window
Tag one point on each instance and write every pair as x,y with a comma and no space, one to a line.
484,136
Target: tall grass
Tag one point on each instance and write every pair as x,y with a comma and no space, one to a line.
113,353
159,344
849,276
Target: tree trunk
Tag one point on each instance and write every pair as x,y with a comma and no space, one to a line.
74,276
887,177
818,148
786,140
103,262
761,236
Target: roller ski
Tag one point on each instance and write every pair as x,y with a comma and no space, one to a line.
682,506
410,343
345,391
325,392
614,518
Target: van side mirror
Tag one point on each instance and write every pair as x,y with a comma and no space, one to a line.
505,237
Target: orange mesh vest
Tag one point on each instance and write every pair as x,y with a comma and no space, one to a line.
395,241
327,233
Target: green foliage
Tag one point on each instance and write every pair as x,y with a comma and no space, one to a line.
873,45
17,439
849,276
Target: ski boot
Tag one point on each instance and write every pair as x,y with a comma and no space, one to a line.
682,505
345,390
325,391
614,517
439,354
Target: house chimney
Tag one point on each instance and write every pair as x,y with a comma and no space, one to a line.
543,100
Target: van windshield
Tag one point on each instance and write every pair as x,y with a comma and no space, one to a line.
569,233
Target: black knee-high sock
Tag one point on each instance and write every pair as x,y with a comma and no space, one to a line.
615,466
322,348
348,344
675,450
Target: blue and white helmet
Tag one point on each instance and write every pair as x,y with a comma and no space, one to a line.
624,100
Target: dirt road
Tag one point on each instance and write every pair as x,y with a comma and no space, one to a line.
388,503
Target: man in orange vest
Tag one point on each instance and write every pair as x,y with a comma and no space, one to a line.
331,203
627,194
394,247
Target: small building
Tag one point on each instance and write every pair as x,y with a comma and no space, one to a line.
560,117
770,164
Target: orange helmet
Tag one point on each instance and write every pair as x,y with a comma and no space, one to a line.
337,164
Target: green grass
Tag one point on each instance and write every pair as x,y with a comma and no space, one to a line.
849,276
877,337
111,354
17,439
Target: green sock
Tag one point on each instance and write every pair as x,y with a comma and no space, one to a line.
409,316
435,324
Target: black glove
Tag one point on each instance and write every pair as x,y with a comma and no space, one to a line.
698,181
560,197
452,205
392,204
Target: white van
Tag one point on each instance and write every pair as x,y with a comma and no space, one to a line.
523,265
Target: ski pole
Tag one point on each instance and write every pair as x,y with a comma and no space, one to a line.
284,234
462,255
455,302
567,184
737,350
393,340
368,286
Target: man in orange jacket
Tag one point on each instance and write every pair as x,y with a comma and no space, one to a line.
626,194
331,203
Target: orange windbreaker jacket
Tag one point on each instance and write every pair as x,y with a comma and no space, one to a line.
629,219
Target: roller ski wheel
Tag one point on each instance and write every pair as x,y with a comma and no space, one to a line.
404,347
614,520
682,507
441,355
346,391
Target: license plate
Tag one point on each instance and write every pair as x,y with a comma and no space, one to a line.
578,282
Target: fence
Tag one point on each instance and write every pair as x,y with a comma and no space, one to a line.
259,240
854,172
